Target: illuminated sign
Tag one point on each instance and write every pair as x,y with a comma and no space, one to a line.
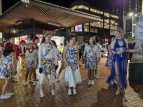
47,31
106,40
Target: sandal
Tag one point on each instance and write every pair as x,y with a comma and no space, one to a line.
123,91
118,92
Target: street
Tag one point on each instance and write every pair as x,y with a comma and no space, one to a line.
98,95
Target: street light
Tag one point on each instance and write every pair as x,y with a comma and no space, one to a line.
132,14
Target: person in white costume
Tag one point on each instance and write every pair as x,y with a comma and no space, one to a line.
47,62
91,60
71,58
31,57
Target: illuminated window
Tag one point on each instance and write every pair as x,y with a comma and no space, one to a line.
72,29
97,24
96,11
114,16
86,27
107,15
80,7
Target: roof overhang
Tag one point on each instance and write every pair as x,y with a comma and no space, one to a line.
43,13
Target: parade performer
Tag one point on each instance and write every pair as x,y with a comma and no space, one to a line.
31,57
62,63
8,69
47,62
22,56
35,42
108,63
98,46
71,58
17,51
91,60
119,49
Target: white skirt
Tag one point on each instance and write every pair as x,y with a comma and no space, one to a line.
72,77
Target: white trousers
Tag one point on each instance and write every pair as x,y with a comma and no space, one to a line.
43,78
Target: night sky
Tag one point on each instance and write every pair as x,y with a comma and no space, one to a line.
66,3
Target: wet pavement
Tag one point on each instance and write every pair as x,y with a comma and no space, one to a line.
98,95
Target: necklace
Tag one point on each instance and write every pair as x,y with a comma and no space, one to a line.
30,51
47,46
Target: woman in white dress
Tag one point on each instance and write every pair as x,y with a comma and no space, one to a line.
98,46
91,60
31,57
47,62
71,58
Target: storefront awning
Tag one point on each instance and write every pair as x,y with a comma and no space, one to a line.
46,15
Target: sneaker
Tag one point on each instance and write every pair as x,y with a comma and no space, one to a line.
25,83
74,91
96,77
5,96
89,82
30,81
41,93
9,94
53,92
34,83
69,92
92,82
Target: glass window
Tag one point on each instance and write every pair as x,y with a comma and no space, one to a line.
72,29
86,27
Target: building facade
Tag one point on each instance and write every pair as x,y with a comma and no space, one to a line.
104,28
132,10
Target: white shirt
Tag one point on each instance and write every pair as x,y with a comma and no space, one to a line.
31,56
52,53
95,49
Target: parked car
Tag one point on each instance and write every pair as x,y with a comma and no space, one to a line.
104,53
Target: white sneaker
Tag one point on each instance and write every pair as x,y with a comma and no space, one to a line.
30,81
41,93
9,94
53,92
92,82
96,77
89,82
34,83
69,92
25,83
74,91
5,96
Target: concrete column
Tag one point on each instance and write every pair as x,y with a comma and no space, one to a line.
0,7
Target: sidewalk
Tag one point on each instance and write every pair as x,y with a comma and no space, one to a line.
99,95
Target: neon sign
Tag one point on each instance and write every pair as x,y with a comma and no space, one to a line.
46,31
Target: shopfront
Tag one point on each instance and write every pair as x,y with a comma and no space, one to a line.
56,36
18,39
